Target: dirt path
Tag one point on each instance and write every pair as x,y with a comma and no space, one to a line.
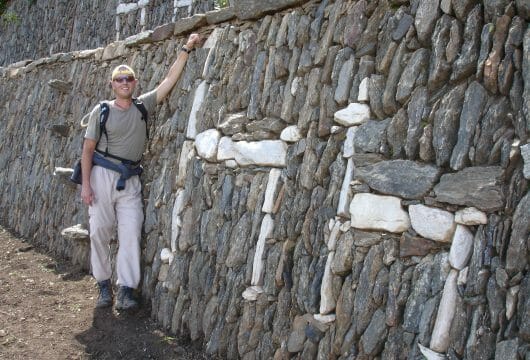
47,312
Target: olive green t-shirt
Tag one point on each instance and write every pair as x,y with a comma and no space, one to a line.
126,130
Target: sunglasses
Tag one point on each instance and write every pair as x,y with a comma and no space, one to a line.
122,79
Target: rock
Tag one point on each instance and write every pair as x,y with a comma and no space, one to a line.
297,337
60,85
327,299
370,136
185,25
445,124
430,354
446,312
251,293
76,232
425,20
265,153
523,9
395,177
466,63
378,212
271,191
291,134
374,336
219,16
198,99
363,94
233,123
516,254
507,350
439,69
415,246
474,104
267,225
166,256
461,247
415,111
343,259
525,153
354,114
162,32
402,27
511,301
432,223
470,216
491,65
414,75
345,79
474,186
396,134
206,144
345,191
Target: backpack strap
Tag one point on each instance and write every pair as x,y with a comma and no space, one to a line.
140,106
103,116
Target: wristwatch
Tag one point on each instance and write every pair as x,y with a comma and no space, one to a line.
184,48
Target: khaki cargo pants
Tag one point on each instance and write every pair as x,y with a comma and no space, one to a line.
113,209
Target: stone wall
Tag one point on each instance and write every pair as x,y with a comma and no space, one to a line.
46,27
340,179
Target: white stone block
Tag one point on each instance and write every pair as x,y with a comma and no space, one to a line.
251,293
378,212
291,134
471,216
294,85
206,144
511,301
166,256
186,154
327,301
462,276
262,153
431,355
363,90
345,191
325,319
334,234
525,153
354,114
143,3
446,311
267,225
461,247
181,200
270,191
198,99
349,149
432,223
126,8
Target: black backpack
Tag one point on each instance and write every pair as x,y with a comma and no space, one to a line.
76,176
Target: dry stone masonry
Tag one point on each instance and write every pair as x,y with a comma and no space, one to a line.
328,180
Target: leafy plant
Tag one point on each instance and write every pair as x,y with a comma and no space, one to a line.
221,3
10,17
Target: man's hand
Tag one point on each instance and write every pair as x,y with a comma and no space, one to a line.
193,41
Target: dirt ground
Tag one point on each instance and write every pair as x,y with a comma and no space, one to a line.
47,312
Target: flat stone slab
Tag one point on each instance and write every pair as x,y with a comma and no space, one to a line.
403,178
478,186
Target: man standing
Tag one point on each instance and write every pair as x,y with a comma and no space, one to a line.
110,178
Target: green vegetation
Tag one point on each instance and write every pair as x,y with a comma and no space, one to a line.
221,3
10,17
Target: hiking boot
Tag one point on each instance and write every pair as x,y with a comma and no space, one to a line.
125,299
105,294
